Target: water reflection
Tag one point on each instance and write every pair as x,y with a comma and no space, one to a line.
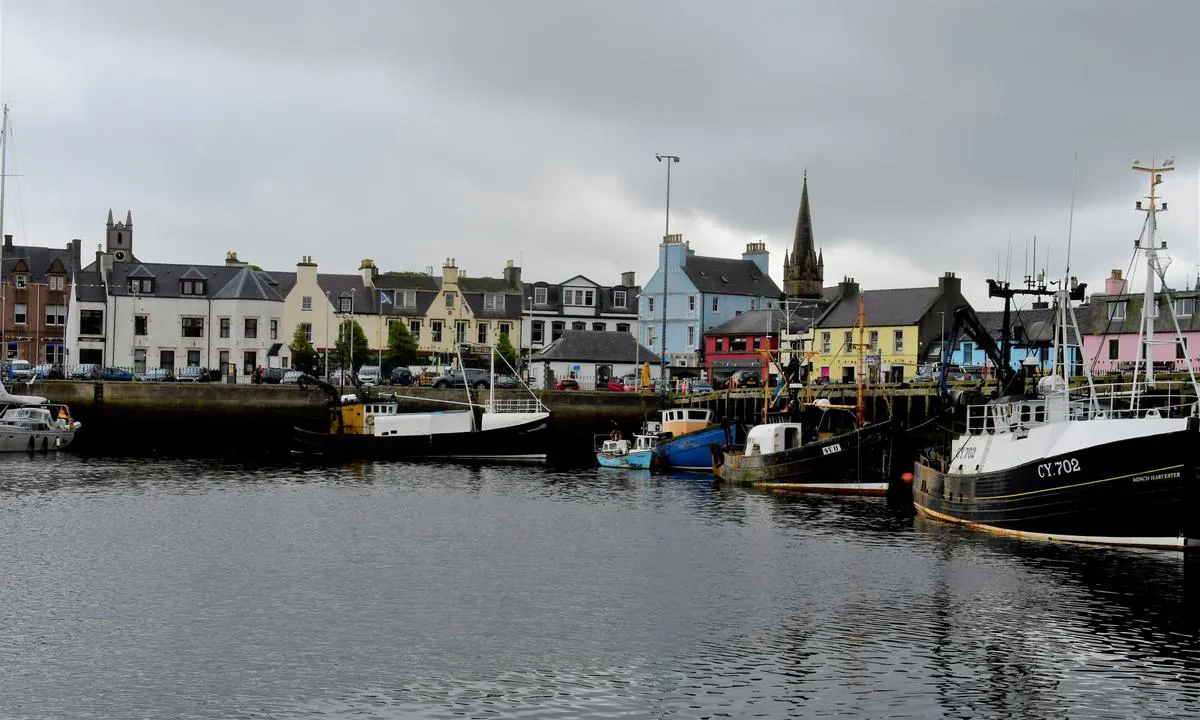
174,589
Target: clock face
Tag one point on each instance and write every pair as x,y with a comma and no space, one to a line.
120,254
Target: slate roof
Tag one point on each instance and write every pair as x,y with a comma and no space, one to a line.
223,282
37,259
729,276
604,292
1093,317
897,306
597,346
89,287
1033,324
770,321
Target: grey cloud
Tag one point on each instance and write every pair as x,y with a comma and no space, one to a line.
416,130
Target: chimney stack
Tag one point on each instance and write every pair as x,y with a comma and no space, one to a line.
8,242
848,287
627,279
949,284
1115,284
512,275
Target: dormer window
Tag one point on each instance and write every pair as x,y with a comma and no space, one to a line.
539,296
57,282
619,298
493,301
578,297
191,287
20,280
141,285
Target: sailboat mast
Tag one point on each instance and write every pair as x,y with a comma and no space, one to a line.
862,321
3,177
1149,311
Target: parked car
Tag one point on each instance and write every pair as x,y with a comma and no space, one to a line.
370,375
476,377
273,375
86,371
192,373
401,376
508,382
116,374
18,371
48,371
699,386
156,375
567,384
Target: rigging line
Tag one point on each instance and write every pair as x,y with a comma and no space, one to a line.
1071,216
1108,325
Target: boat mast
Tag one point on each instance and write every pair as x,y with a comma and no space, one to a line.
862,320
3,177
1149,310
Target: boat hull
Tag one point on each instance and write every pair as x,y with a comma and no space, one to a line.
693,451
527,442
21,440
637,459
1135,492
853,463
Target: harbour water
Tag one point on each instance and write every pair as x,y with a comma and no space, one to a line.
157,588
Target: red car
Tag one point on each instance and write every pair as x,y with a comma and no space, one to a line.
567,384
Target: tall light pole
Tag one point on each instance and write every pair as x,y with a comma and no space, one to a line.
662,368
942,347
529,365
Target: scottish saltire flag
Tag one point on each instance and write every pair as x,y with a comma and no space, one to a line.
383,298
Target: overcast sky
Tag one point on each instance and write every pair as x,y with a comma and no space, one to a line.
409,132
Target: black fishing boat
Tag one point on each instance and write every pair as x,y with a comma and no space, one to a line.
1106,464
819,447
371,426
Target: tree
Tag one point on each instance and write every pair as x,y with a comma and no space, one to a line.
402,348
304,355
505,349
362,350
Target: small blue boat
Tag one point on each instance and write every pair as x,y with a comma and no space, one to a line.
618,452
688,435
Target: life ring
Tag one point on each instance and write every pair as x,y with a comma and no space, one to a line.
614,435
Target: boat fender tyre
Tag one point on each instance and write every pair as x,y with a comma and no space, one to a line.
31,447
45,444
480,385
718,454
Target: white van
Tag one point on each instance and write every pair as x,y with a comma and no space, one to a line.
369,375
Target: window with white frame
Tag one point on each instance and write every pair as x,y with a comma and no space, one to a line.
493,301
274,327
537,327
539,295
825,342
482,333
20,313
414,329
306,328
579,297
619,299
874,341
191,287
345,304
306,303
20,280
141,285
1117,309
460,331
406,298
223,327
898,341
250,329
1185,307
58,282
848,339
716,305
556,329
450,299
650,304
140,325
691,303
623,327
691,338
56,314
504,328
578,325
435,330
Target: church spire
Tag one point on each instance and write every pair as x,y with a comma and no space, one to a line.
802,247
110,222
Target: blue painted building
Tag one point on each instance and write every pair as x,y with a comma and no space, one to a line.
701,293
1032,338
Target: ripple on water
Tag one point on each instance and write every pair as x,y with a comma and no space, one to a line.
159,588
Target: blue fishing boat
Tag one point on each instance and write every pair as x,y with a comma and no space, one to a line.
618,452
687,436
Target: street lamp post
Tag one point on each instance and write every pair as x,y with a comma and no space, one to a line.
529,364
662,368
942,347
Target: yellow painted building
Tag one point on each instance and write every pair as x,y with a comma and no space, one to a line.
471,311
901,326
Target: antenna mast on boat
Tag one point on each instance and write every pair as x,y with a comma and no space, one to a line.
1147,243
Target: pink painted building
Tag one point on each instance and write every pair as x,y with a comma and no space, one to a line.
1110,323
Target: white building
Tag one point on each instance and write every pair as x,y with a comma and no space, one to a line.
549,309
166,315
592,358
